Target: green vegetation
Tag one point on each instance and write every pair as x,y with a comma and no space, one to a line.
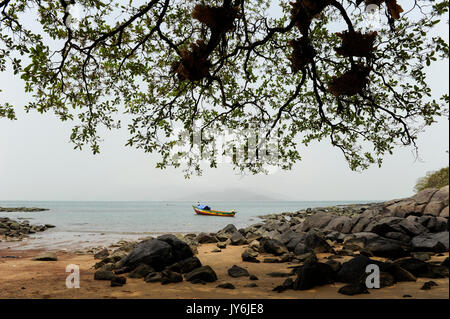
299,71
436,179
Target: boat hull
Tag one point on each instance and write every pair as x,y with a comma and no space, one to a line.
213,212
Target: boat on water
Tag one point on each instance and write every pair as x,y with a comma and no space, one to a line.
206,210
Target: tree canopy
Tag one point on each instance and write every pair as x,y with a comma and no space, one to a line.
436,179
298,72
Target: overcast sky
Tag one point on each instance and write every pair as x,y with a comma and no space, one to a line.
37,162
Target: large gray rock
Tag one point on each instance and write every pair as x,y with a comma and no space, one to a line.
273,246
180,249
342,224
204,273
438,242
204,238
46,256
361,224
403,208
352,270
385,225
412,227
313,274
319,220
237,239
438,202
383,247
316,242
444,212
153,252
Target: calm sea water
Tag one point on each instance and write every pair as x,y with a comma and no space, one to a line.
81,224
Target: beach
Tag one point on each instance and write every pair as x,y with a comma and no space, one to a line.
312,253
24,278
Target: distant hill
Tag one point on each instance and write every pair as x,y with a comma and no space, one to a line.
234,194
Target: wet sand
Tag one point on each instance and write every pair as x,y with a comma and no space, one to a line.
24,278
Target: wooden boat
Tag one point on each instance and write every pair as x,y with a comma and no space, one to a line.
211,212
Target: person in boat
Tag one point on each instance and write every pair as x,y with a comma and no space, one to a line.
205,207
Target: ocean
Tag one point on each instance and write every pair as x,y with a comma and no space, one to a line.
95,223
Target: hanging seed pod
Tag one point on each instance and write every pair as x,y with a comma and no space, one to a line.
194,64
357,44
351,82
218,19
302,54
304,11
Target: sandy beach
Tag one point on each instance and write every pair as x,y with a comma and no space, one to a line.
22,277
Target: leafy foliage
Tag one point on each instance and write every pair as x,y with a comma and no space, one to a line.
436,179
227,64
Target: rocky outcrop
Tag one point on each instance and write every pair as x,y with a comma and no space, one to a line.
158,253
11,230
21,209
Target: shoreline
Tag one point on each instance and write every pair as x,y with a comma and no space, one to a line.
280,244
24,278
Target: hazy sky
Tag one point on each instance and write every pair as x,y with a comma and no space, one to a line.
37,162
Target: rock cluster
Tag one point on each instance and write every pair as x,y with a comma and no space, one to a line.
165,259
17,230
405,232
22,209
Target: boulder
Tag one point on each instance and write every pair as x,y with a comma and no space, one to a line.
352,270
101,254
353,289
118,281
438,242
342,224
313,274
444,212
287,284
204,238
102,274
237,239
228,229
153,252
46,256
317,243
319,220
401,237
185,265
180,249
204,273
403,208
384,225
438,201
412,227
398,273
154,277
169,276
416,267
383,247
141,271
301,249
361,223
226,285
250,255
237,271
273,246
294,241
424,196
